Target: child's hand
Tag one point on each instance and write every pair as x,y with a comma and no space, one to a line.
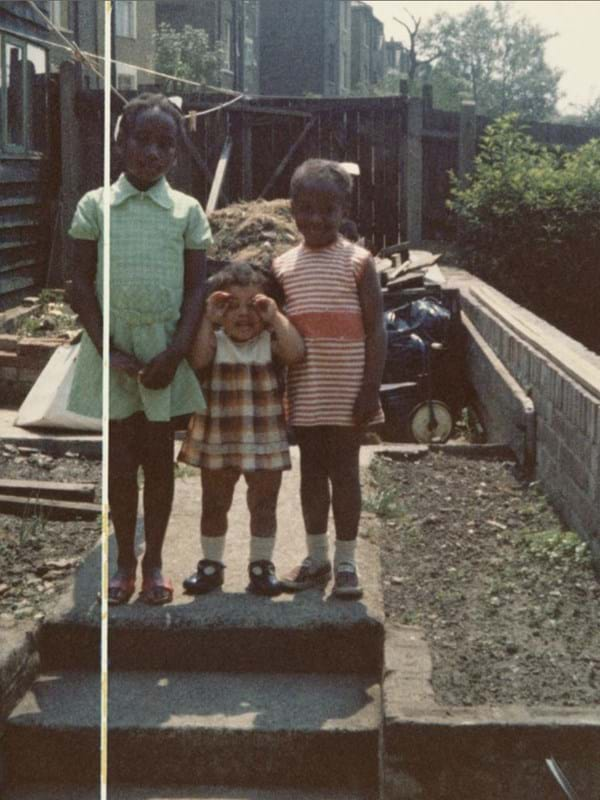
216,306
125,362
366,405
266,308
159,373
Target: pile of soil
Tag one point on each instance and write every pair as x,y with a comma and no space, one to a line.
506,595
37,555
254,231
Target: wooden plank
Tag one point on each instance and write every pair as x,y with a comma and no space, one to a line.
49,509
379,179
48,489
365,139
287,157
215,189
352,154
392,134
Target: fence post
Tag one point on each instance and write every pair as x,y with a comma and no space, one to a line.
467,139
413,172
247,177
71,161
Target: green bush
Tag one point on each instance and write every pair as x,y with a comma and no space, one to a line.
529,223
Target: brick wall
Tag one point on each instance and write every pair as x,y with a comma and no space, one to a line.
563,380
21,361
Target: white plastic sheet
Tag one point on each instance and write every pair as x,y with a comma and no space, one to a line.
46,404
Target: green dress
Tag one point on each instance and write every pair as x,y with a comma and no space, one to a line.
149,233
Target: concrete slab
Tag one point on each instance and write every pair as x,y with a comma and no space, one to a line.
230,629
53,442
124,792
185,728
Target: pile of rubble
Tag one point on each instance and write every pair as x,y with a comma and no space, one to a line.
254,231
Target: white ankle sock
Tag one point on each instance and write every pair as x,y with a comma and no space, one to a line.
213,547
261,548
318,548
345,552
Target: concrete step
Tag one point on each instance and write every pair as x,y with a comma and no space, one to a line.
165,728
123,792
228,630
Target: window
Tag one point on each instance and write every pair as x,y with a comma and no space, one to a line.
23,96
227,44
126,78
56,9
125,19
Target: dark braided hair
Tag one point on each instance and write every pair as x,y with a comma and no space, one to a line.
323,171
145,102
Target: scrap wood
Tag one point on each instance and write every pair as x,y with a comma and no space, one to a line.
47,489
215,189
49,509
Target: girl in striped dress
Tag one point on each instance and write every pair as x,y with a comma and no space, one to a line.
333,298
242,337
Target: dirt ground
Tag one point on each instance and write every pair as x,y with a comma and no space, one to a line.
37,555
506,596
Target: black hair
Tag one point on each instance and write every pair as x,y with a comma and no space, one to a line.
320,169
145,102
241,273
349,230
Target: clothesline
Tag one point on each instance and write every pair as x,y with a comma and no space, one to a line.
83,57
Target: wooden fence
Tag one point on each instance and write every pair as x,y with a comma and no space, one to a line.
405,149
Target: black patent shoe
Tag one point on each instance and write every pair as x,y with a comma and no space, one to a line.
208,576
263,579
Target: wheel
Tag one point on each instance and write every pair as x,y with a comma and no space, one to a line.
424,430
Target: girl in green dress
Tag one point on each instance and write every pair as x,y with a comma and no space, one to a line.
157,277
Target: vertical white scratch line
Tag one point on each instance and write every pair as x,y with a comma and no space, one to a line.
105,404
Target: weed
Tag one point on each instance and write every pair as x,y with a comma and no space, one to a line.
185,471
31,528
557,545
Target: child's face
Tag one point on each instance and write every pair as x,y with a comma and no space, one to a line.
241,322
150,148
318,209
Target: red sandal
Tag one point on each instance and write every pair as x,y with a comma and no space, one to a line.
120,588
156,590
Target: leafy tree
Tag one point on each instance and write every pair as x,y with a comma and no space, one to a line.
499,55
591,112
187,54
529,219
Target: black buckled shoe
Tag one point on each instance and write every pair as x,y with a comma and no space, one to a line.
208,576
263,579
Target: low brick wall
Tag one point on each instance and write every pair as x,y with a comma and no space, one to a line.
563,380
21,361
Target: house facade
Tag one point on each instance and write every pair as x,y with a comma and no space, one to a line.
305,47
24,146
133,27
367,66
233,23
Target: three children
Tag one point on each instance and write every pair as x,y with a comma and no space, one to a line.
331,340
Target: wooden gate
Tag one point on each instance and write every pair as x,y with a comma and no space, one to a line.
272,136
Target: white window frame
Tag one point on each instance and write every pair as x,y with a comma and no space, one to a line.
127,72
126,26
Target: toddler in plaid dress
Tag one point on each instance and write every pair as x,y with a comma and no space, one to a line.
242,338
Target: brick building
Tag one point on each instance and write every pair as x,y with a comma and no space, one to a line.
234,23
367,51
134,25
305,47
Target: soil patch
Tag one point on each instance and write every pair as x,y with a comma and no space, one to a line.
505,594
37,555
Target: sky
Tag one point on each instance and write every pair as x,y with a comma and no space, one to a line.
575,50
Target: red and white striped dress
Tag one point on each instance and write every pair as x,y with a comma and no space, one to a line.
321,294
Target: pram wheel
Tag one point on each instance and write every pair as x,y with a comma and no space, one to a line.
430,421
